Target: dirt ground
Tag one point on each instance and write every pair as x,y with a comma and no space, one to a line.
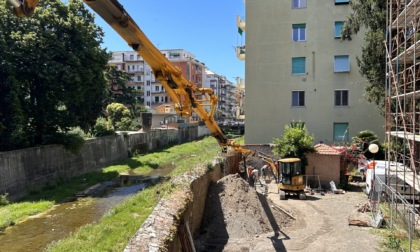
243,218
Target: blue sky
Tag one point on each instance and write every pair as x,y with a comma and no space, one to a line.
206,29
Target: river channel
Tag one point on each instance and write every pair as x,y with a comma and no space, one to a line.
38,231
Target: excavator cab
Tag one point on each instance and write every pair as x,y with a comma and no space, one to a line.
290,178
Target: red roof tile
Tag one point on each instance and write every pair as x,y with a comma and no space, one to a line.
324,149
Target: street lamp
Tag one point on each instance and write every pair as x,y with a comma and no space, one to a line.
373,148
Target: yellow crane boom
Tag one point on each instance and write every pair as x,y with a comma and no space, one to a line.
180,90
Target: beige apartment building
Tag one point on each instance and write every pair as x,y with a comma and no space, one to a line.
298,69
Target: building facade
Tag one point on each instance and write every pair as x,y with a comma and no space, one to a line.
298,69
225,91
142,77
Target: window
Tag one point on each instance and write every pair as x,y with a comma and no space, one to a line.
337,2
157,88
299,65
156,99
298,4
337,29
341,132
299,32
138,77
132,57
148,93
341,97
341,63
148,83
298,98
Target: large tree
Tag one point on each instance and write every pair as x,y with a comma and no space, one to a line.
118,90
369,16
51,72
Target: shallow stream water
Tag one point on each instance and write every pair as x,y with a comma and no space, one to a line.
38,231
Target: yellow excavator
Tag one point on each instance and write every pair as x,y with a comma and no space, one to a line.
181,91
288,174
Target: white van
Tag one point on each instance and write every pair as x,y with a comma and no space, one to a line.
379,168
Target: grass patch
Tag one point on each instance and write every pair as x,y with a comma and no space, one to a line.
179,155
13,213
396,238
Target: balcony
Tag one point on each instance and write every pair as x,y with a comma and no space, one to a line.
241,24
132,71
159,92
240,52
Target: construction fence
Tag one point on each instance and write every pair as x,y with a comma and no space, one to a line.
393,210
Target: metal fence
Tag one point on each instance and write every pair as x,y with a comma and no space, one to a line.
393,210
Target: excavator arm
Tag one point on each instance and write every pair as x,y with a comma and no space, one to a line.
181,91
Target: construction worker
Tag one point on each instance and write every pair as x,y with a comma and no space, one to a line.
264,170
256,176
251,176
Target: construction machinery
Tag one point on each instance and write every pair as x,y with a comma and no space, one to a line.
290,178
186,96
288,174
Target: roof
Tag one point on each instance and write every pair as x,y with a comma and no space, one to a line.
324,149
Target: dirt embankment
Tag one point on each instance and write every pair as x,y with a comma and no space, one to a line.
234,210
237,218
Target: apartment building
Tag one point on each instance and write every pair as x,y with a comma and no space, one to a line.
225,92
402,108
298,69
142,78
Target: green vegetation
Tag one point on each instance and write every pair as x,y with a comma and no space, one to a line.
294,142
46,88
370,14
13,213
119,116
115,229
396,237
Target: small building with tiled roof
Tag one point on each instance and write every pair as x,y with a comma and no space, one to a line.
324,165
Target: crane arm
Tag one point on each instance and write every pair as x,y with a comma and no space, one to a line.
181,91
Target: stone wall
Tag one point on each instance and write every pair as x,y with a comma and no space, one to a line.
31,168
174,219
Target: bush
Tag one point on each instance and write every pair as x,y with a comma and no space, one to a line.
3,200
102,128
72,142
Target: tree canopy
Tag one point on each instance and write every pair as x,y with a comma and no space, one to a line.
119,116
370,15
51,72
118,91
294,142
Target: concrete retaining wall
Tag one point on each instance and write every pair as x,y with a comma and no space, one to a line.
165,228
31,168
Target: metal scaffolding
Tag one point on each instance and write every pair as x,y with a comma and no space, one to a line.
402,106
